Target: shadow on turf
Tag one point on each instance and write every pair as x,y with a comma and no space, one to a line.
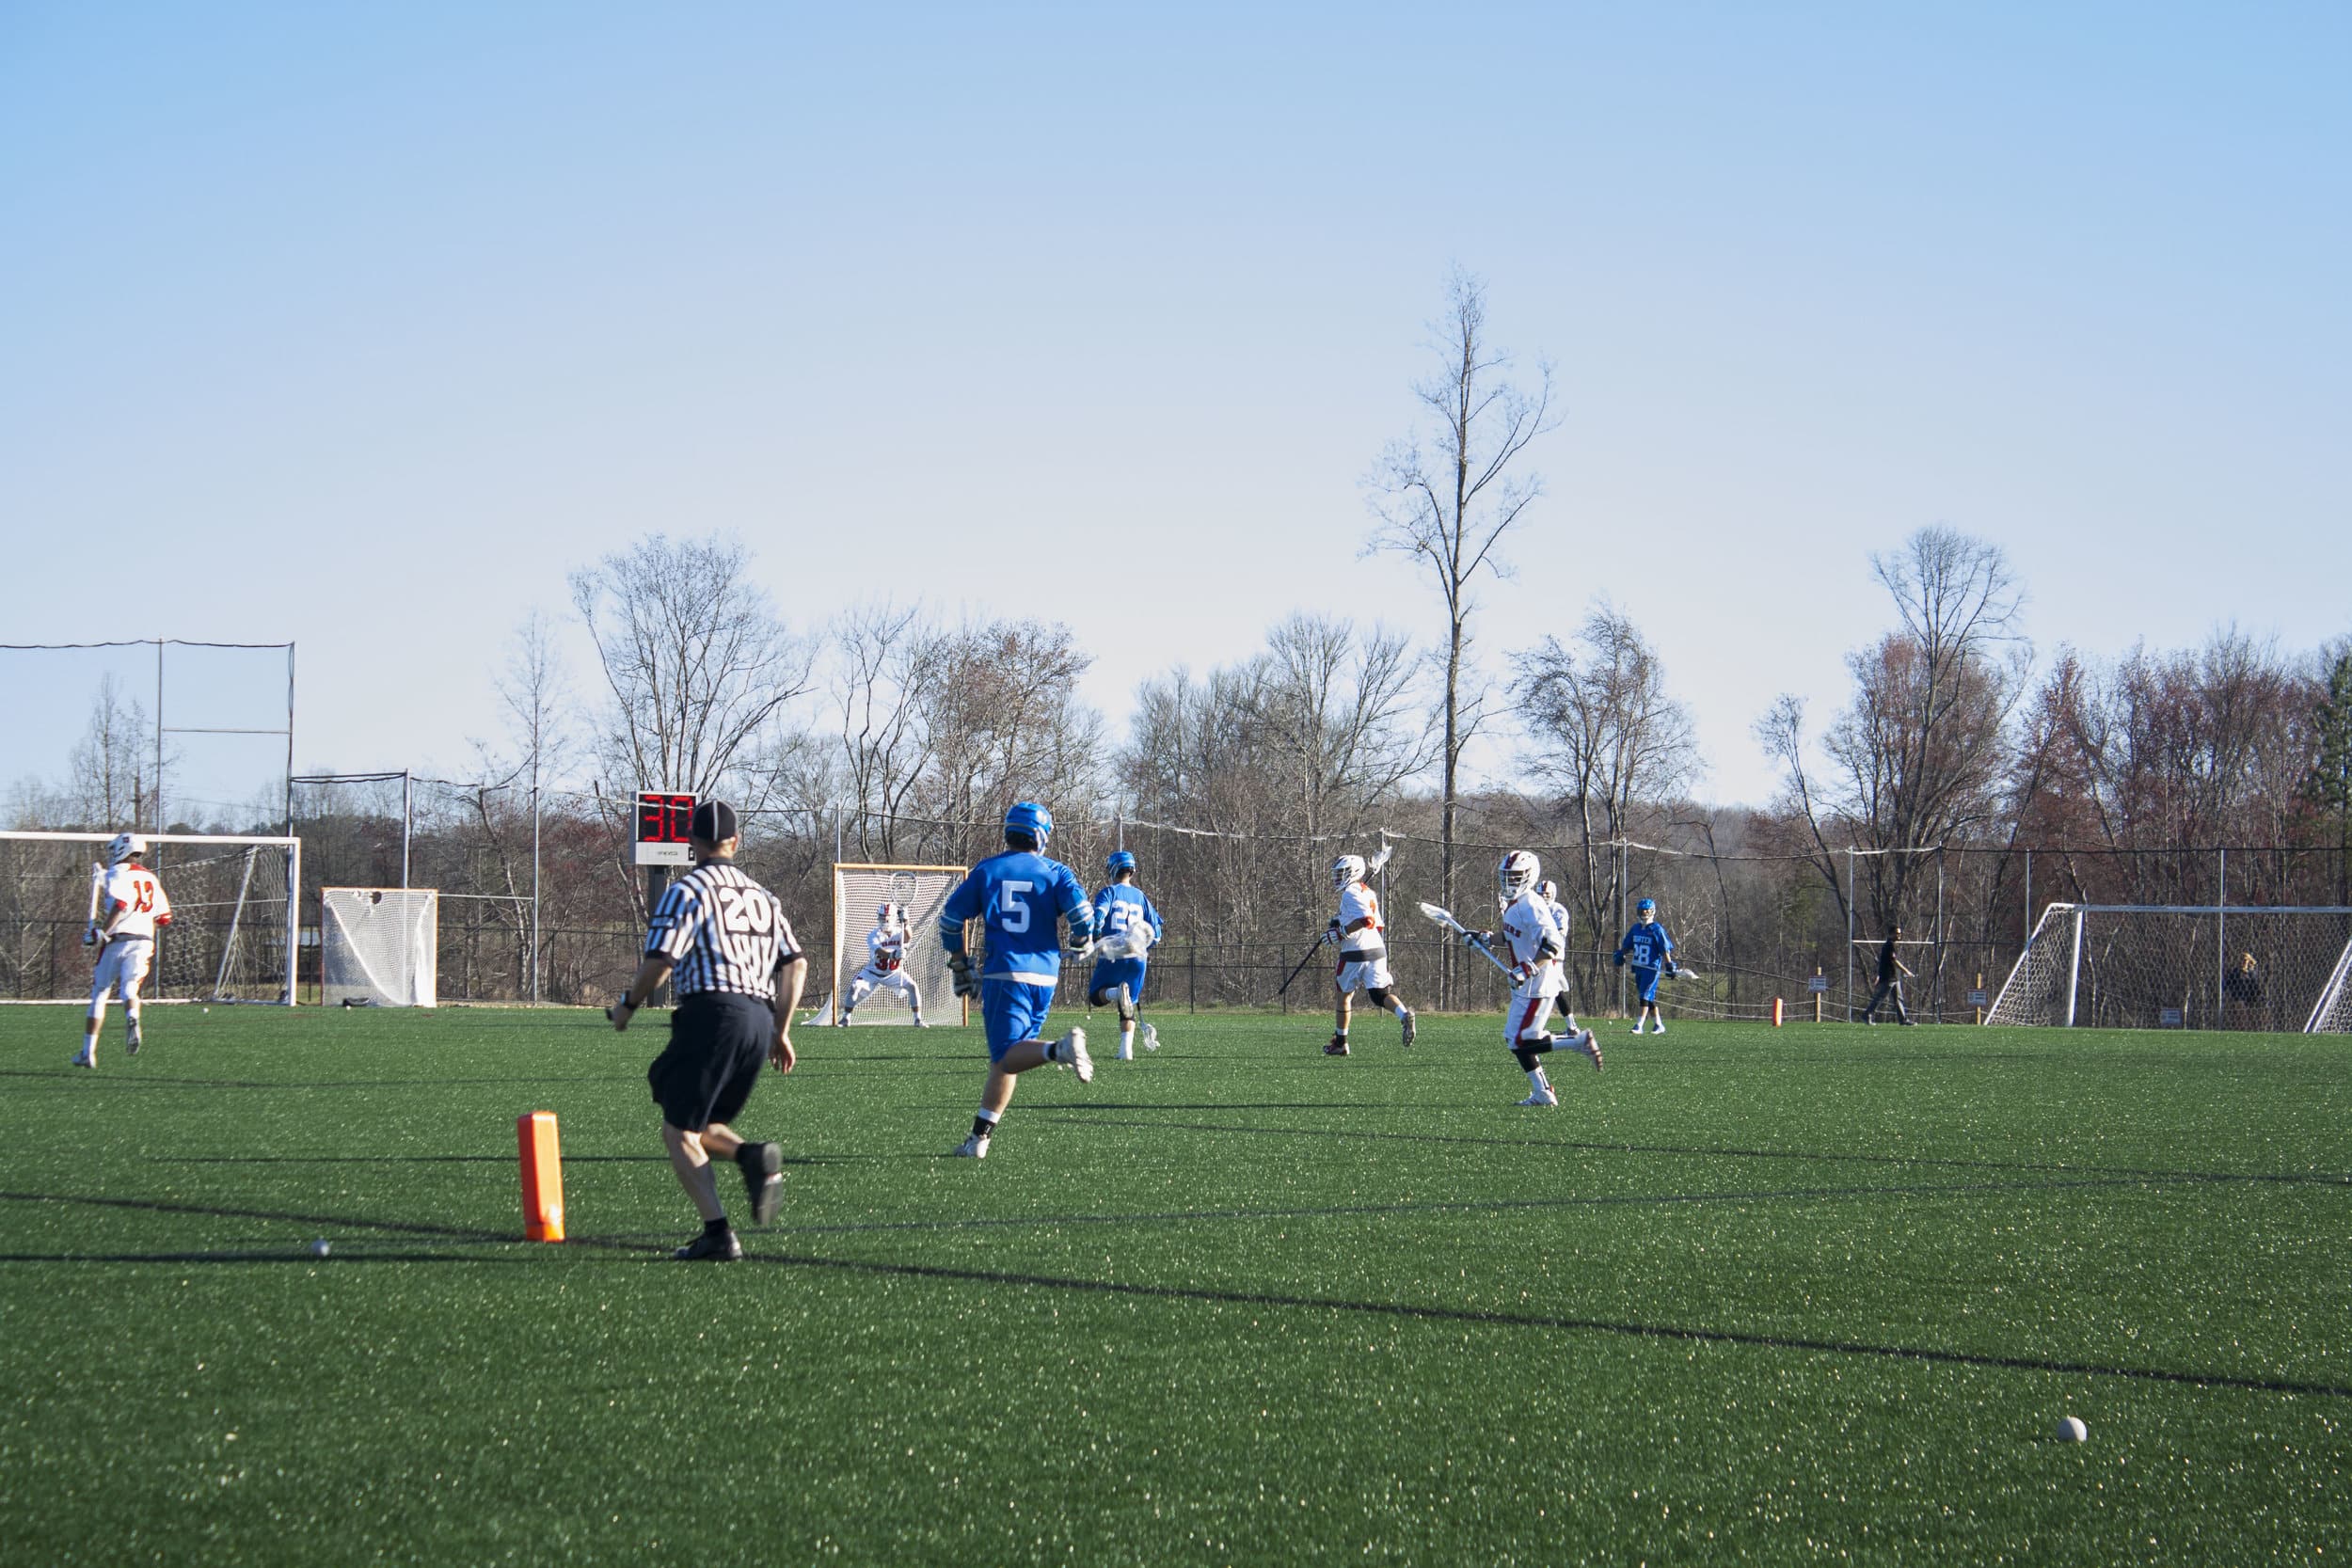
155,1081
640,1250
1092,1113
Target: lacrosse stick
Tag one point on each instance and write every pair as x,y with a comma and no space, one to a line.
97,880
1379,863
1445,918
1302,966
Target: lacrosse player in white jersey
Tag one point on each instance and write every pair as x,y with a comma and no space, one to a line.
1534,943
1357,932
129,908
886,966
1549,891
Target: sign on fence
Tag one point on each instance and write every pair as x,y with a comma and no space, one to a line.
1979,998
2168,1018
1818,983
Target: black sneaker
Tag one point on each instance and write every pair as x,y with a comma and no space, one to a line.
1336,1048
720,1248
130,1044
762,1165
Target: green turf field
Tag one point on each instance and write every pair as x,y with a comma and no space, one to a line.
1805,1295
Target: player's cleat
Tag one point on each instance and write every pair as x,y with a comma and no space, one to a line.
1336,1048
1075,1043
1406,1022
1591,1047
1150,1036
763,1178
841,1023
972,1148
85,1058
1660,1030
919,1021
1541,1097
131,1042
707,1248
1635,1030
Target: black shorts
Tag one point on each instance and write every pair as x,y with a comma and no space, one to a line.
718,1040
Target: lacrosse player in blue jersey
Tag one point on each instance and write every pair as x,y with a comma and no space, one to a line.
1652,952
1126,927
1020,897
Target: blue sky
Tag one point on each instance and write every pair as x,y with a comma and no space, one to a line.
362,326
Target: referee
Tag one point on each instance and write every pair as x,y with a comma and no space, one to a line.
726,937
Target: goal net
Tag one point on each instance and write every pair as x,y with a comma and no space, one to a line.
2189,966
858,892
377,945
233,936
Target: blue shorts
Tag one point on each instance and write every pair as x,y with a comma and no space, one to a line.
1012,1012
1119,972
1646,982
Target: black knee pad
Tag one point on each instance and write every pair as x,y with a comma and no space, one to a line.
1527,1058
1379,996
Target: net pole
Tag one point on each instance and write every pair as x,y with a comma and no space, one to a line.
2074,968
534,878
1850,898
159,745
407,821
2221,940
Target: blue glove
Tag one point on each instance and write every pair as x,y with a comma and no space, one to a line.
1619,961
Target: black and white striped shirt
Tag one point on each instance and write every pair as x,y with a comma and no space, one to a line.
724,931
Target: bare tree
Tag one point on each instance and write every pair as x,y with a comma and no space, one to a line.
697,667
1605,734
112,779
889,658
1448,496
1919,755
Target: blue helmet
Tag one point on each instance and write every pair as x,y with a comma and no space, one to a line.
1120,859
1028,817
1647,906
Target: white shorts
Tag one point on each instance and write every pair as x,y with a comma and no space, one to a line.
1528,1018
121,967
1365,975
872,979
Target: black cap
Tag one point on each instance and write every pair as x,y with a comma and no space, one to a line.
714,822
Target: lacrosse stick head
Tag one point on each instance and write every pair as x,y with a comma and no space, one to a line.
1443,917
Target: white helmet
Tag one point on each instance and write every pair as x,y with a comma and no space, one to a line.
1548,891
890,916
1346,871
122,847
1519,871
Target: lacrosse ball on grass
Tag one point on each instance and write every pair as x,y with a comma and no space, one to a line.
319,1248
2070,1428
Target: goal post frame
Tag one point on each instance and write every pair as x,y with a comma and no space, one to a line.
415,900
843,933
2327,995
290,846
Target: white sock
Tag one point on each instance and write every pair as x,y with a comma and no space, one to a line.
1535,1076
1126,1037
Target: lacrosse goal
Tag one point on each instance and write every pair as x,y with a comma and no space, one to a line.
2188,966
233,937
858,892
378,945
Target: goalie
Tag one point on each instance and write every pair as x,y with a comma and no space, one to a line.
1535,943
1128,927
886,966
